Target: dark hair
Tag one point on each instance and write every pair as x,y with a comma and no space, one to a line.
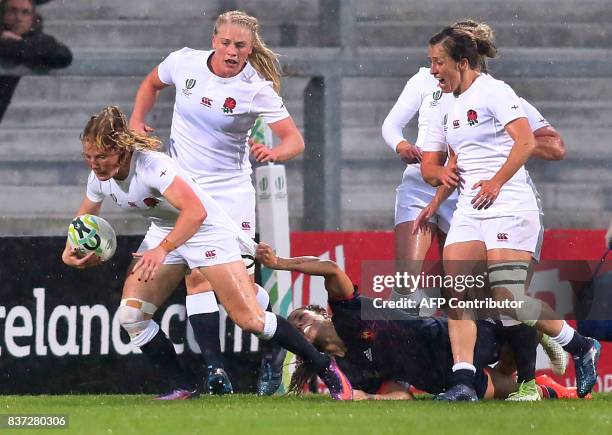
461,43
304,373
482,32
36,22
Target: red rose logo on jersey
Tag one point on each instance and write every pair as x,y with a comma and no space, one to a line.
150,202
472,117
229,105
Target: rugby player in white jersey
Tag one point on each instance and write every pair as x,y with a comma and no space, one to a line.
188,231
497,220
417,215
219,95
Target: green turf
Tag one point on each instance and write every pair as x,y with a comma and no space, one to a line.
251,415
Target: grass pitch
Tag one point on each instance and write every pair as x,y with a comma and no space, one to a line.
251,415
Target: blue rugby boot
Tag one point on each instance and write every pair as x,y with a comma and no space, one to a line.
217,382
271,372
586,368
459,392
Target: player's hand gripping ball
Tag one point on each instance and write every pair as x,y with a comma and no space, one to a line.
89,233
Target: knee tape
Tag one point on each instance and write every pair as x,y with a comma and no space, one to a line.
140,329
512,276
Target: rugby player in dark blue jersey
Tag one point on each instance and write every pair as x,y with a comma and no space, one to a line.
380,356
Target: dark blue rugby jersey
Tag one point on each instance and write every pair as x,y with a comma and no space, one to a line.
413,350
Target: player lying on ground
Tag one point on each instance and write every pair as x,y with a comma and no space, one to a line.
380,355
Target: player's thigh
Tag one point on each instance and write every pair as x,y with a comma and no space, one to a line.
196,282
412,247
234,291
155,290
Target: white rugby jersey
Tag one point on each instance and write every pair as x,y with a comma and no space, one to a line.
421,94
472,124
151,173
213,115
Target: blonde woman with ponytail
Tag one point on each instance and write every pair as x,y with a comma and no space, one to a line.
219,95
188,231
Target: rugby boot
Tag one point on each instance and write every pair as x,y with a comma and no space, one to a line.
337,383
586,368
178,394
217,382
557,356
271,373
527,392
459,392
561,391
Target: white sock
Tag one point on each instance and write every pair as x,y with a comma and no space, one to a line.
201,303
464,366
263,298
146,335
565,336
269,326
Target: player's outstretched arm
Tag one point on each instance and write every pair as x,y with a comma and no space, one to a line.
337,283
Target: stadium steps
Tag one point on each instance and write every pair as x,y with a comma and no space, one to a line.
355,114
40,164
508,34
447,11
162,33
273,10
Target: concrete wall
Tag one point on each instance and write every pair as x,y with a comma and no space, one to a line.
42,177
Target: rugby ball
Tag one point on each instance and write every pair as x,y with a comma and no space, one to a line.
89,233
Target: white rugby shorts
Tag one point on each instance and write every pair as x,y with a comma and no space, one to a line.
414,194
208,247
520,231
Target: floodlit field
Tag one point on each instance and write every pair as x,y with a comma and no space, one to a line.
247,414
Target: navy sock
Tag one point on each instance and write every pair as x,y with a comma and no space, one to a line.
578,345
290,338
465,377
163,356
523,342
206,333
